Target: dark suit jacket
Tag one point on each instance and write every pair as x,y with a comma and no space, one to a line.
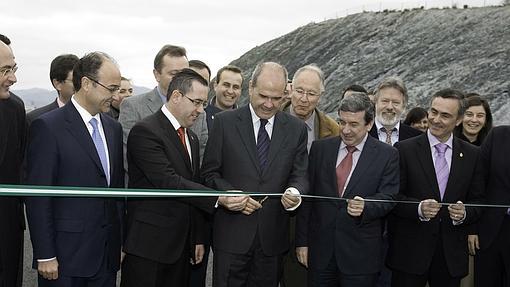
495,161
41,111
231,162
78,231
158,229
405,132
411,241
12,145
325,226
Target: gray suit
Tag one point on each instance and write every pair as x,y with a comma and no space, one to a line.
200,129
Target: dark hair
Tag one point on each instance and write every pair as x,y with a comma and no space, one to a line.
5,39
354,88
258,70
361,102
415,115
392,82
61,66
451,94
183,82
170,50
200,66
230,68
88,66
472,100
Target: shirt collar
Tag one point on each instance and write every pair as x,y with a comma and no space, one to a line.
255,118
170,117
358,146
85,115
309,122
434,141
161,95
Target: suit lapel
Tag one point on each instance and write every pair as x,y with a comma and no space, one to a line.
456,171
423,152
172,135
76,127
193,143
330,158
154,102
245,129
4,130
367,156
277,138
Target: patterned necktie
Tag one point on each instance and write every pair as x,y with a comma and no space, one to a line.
98,142
441,167
344,169
180,132
263,142
388,135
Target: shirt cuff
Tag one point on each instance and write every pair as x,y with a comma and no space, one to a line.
295,192
46,260
459,222
420,214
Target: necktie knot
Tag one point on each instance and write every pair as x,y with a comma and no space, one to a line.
351,149
441,148
180,132
388,133
93,122
263,123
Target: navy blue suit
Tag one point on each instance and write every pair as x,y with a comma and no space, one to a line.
82,233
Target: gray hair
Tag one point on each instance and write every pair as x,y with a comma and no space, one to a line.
392,82
258,69
312,68
358,103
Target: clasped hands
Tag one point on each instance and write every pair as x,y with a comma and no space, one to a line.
248,205
430,208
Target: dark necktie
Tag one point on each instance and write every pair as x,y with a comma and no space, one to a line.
344,169
263,143
388,134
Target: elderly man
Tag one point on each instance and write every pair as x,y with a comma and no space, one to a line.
341,242
12,143
256,149
77,241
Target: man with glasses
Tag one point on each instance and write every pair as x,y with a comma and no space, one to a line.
61,76
163,153
308,86
12,144
77,241
126,90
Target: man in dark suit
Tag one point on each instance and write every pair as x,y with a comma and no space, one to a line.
340,242
61,77
390,102
12,145
77,241
164,153
256,149
492,261
428,242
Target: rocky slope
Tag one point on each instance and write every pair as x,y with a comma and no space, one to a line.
468,49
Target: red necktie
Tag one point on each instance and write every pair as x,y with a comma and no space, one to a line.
344,169
180,132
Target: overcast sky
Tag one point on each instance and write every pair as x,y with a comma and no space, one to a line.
215,32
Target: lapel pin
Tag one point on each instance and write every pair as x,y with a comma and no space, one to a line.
461,155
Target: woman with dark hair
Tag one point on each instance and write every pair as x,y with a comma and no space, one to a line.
477,120
417,118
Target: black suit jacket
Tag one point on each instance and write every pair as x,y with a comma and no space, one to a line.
325,226
405,132
495,161
31,116
12,146
230,162
80,232
411,241
159,229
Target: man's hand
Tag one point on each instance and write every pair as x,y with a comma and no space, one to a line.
430,208
199,254
48,269
457,211
290,199
251,206
355,206
302,255
473,244
233,203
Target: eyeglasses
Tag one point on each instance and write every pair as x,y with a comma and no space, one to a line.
196,102
302,92
112,89
7,71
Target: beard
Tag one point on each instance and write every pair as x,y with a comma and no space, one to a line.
387,119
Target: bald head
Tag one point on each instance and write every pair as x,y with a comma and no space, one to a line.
267,88
7,70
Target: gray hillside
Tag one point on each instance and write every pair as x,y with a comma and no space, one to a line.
468,49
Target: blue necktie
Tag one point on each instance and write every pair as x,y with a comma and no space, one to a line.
98,142
263,142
